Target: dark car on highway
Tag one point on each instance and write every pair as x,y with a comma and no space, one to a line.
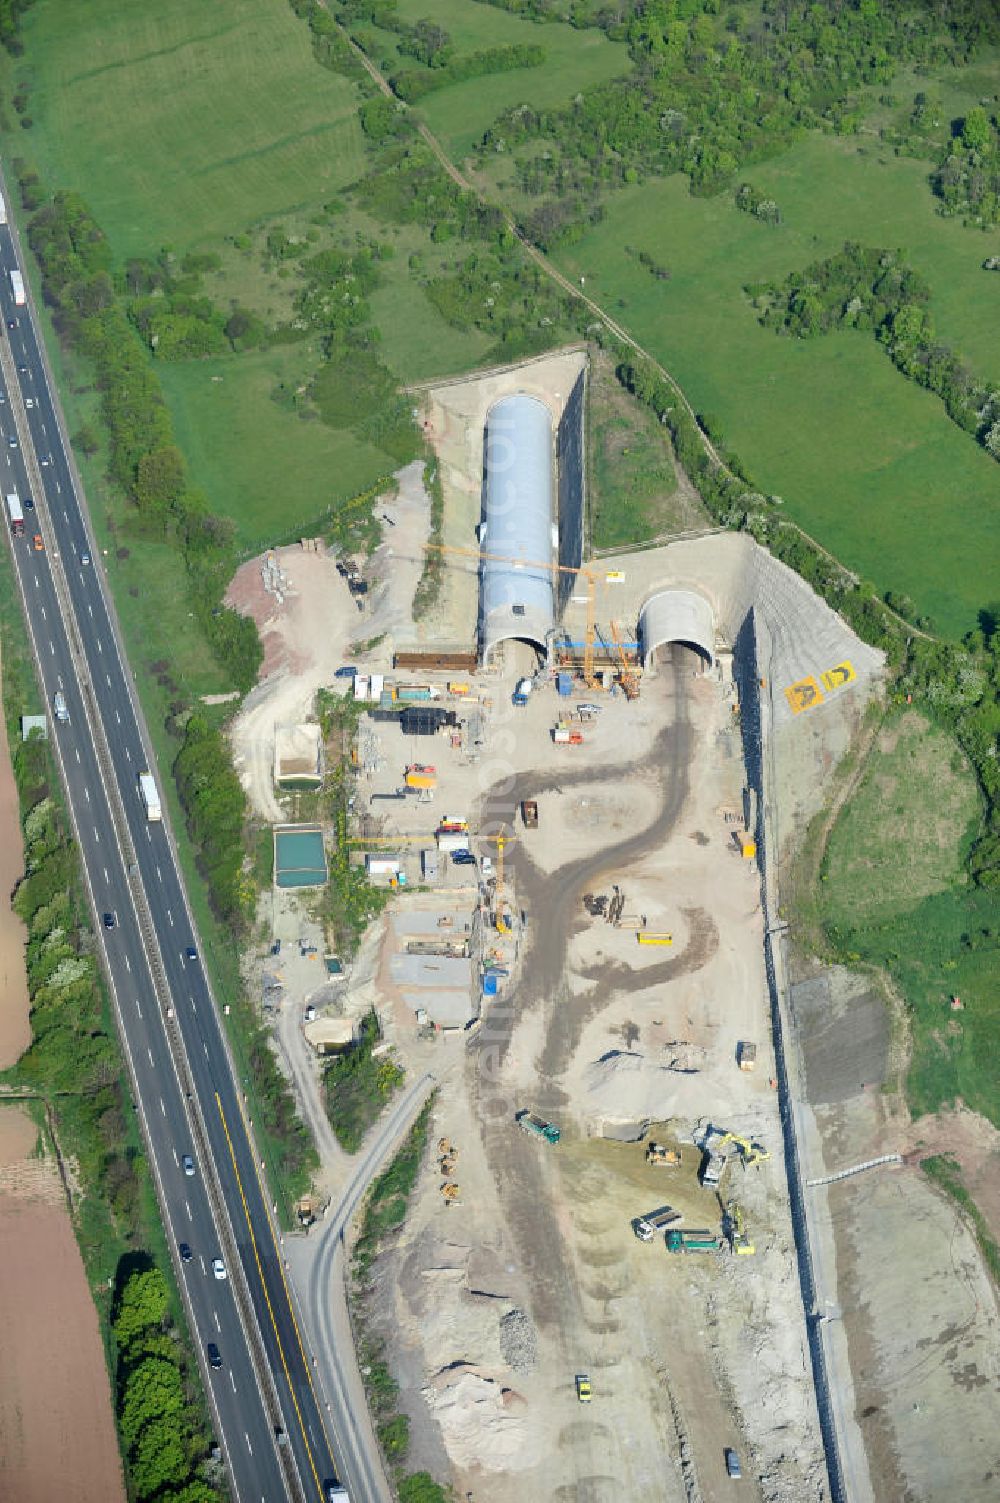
214,1355
111,921
185,1252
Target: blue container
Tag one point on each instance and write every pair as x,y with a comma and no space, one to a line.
564,684
489,985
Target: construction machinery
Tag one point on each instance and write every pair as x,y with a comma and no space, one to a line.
739,1237
627,676
533,1123
715,1160
646,1227
501,913
702,1240
529,813
645,937
660,1156
746,1055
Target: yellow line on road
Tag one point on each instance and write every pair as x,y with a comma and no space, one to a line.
267,1297
281,1270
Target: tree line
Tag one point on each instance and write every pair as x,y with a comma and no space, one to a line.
874,289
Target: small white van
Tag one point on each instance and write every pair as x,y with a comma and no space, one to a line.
59,705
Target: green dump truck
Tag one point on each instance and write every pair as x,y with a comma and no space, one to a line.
700,1240
533,1123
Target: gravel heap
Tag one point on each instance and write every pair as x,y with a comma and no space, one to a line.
518,1342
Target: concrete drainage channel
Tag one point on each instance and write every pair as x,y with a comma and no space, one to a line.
756,737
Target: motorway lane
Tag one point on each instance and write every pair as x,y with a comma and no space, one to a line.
254,1467
195,1013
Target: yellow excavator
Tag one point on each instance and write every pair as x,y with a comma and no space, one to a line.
739,1237
750,1153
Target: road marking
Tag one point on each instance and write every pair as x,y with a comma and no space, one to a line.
233,1382
187,1207
36,581
162,1107
127,752
839,677
170,917
150,1053
159,874
194,1004
218,1322
106,877
803,695
128,967
205,1047
59,490
90,610
77,750
267,1294
44,616
97,835
52,648
86,793
99,647
137,1007
247,1439
108,677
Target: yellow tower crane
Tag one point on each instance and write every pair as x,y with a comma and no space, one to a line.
501,840
588,575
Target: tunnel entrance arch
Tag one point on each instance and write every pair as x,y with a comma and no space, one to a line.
681,617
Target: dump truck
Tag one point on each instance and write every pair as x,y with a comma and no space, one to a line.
679,1241
646,1227
533,1123
746,1055
712,1168
17,285
16,514
150,797
529,813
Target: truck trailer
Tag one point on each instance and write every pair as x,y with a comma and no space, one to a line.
646,1227
679,1241
15,513
3,210
533,1123
17,284
150,797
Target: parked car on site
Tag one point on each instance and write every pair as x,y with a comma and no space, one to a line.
584,1392
733,1464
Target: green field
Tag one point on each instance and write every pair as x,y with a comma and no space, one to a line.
175,121
864,459
935,934
461,113
259,463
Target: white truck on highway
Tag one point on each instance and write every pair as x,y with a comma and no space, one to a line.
149,796
15,512
3,210
17,283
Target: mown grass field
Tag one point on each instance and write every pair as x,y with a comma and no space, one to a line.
893,893
258,462
462,112
864,459
175,121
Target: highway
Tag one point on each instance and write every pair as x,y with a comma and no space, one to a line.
271,1419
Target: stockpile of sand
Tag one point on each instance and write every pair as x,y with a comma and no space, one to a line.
622,1087
483,1424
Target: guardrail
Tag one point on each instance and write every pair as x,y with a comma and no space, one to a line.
148,937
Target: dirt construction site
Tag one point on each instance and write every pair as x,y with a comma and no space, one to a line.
574,949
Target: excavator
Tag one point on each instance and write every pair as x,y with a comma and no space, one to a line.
739,1237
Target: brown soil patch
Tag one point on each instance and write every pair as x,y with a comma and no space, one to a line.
57,1434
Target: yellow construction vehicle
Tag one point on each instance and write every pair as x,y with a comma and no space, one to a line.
659,1153
739,1238
750,1153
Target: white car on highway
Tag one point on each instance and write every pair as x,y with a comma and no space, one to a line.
219,1268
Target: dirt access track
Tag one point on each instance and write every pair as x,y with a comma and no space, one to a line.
491,1308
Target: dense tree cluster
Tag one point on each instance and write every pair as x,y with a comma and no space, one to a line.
157,1415
75,262
715,87
216,810
968,179
874,289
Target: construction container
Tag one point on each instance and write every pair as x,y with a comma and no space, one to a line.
564,735
645,938
382,866
386,698
376,686
529,813
429,865
413,693
564,684
746,1055
459,689
421,777
453,841
360,686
